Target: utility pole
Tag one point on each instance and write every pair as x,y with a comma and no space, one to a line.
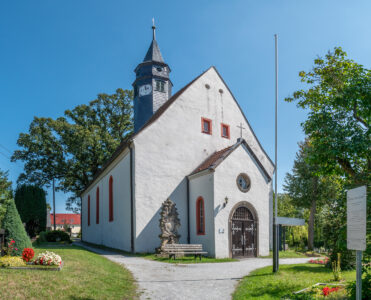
55,227
275,225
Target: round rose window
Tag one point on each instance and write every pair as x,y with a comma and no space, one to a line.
243,182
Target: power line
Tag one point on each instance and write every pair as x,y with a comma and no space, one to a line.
5,148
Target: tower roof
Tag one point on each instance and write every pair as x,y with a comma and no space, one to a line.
153,53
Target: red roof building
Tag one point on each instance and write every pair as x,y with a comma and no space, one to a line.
70,219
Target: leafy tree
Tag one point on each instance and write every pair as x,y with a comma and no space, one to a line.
309,190
31,205
14,229
5,192
338,124
73,148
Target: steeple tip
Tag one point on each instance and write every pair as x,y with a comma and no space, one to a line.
153,29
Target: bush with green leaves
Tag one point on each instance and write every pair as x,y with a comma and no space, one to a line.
31,205
366,281
14,229
57,236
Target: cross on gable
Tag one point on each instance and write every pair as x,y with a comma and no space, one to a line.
241,128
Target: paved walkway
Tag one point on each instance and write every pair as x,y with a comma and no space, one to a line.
207,281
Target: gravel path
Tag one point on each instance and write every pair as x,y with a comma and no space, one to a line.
209,281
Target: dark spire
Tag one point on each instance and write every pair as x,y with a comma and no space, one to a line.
153,53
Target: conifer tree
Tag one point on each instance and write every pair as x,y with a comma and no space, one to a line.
14,229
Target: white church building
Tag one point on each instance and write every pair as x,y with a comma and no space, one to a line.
195,147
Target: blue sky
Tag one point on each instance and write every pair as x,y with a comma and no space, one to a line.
55,55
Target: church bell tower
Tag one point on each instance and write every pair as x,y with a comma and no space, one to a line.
152,85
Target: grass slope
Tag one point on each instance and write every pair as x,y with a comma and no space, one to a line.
292,254
85,275
262,284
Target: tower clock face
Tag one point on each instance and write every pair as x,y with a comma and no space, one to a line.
145,90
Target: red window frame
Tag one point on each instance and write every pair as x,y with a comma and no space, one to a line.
200,215
110,199
228,136
97,206
89,210
203,120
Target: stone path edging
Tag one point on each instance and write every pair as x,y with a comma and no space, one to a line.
209,281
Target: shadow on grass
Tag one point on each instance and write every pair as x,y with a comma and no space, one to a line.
308,268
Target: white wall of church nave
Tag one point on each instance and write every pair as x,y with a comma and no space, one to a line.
202,186
258,196
173,146
115,234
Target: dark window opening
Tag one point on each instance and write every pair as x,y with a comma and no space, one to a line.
160,86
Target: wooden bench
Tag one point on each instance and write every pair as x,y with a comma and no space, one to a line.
184,249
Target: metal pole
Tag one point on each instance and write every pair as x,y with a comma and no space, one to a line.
275,226
55,228
359,275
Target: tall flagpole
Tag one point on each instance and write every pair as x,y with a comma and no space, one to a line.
275,226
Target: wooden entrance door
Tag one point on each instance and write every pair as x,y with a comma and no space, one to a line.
243,233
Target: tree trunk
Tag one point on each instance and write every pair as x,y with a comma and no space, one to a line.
311,225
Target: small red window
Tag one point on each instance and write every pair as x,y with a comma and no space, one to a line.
206,126
97,206
89,210
110,200
225,131
200,215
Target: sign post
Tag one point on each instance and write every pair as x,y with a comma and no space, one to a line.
356,229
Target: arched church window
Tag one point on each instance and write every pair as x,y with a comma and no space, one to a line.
200,215
89,210
97,206
110,199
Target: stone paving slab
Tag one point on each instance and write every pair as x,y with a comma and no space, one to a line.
209,281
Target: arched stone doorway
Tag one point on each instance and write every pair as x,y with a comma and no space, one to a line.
243,231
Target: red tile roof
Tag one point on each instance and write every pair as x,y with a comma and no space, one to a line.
212,160
61,219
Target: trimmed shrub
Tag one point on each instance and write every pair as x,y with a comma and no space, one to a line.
42,237
11,261
31,205
57,236
14,229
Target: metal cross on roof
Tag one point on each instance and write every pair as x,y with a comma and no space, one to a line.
241,128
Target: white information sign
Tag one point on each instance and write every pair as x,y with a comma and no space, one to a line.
356,219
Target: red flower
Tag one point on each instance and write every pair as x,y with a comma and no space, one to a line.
27,254
12,241
326,291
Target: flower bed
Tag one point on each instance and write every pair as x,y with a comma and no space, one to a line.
319,261
320,291
44,261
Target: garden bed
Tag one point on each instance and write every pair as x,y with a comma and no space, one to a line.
31,266
320,291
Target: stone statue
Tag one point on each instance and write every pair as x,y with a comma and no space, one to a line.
169,224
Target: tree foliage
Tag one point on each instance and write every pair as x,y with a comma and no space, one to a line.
5,192
14,229
338,124
30,201
74,147
308,189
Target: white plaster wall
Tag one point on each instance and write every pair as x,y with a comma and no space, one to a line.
115,234
203,186
173,146
240,161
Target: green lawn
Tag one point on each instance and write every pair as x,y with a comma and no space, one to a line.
262,284
292,254
85,275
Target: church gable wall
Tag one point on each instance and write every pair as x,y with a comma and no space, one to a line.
115,234
240,161
173,146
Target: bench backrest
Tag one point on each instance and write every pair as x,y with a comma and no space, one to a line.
183,247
